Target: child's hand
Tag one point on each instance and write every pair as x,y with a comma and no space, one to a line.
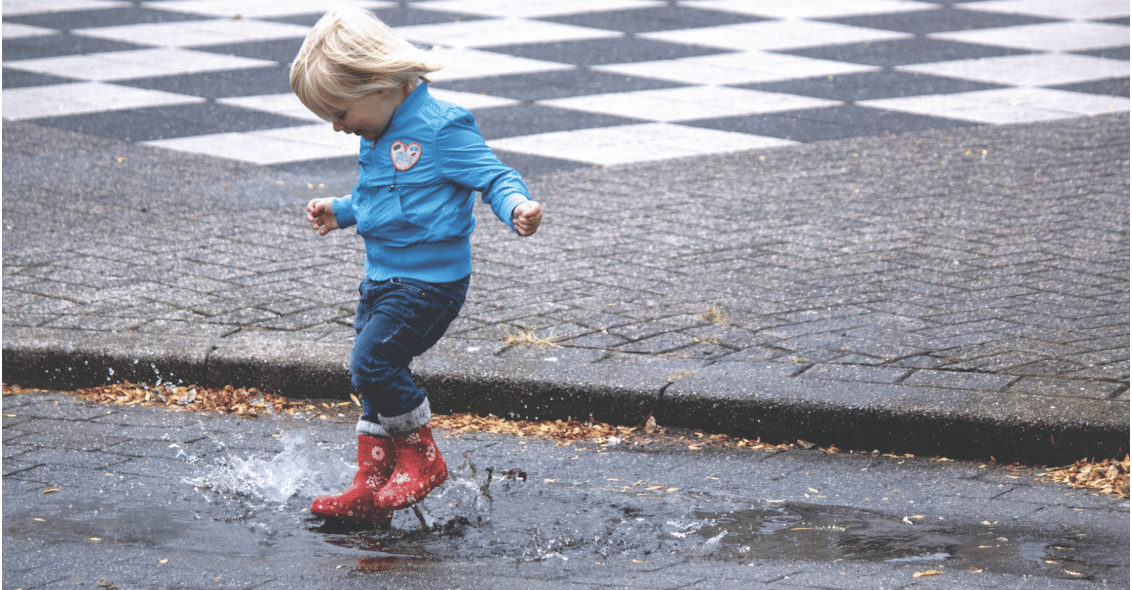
320,214
527,218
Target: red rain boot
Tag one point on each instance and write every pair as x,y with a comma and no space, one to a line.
376,459
420,469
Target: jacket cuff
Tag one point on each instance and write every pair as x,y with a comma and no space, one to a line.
344,212
507,207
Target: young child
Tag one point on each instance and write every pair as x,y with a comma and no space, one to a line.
421,162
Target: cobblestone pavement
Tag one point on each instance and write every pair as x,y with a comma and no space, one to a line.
974,274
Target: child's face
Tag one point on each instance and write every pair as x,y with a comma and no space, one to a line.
366,116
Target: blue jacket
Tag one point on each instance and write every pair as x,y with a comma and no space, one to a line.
416,187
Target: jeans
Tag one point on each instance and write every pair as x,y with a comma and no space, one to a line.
398,319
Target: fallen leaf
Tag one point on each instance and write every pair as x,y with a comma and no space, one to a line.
94,539
50,490
162,561
926,574
975,570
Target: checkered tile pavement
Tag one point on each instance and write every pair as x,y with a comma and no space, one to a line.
556,84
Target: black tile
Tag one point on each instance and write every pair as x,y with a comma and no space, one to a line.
1109,87
1120,20
342,169
60,45
19,79
223,84
412,17
871,85
594,52
103,17
829,123
647,20
923,22
169,122
901,52
548,85
1120,53
278,50
530,166
514,121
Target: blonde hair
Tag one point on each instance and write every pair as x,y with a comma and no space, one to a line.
350,53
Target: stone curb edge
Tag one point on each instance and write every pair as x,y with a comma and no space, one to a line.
751,400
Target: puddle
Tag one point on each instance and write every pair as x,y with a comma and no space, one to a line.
482,514
830,533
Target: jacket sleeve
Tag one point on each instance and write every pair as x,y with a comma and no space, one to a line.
344,211
467,161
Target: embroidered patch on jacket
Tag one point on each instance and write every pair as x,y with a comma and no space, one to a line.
404,155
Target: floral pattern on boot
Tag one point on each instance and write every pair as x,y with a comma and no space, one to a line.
420,469
376,460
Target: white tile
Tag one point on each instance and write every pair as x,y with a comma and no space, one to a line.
261,8
142,63
1044,69
634,143
471,100
15,31
503,31
462,63
1057,36
18,7
736,68
275,146
534,8
89,97
1006,106
774,35
686,104
814,8
197,33
286,104
1067,9
1076,103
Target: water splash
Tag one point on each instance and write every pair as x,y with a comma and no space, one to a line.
302,469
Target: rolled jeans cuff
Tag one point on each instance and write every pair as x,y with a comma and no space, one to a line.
371,429
409,421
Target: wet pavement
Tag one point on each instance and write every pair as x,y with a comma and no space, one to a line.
907,280
131,497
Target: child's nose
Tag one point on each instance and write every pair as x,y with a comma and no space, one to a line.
338,126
